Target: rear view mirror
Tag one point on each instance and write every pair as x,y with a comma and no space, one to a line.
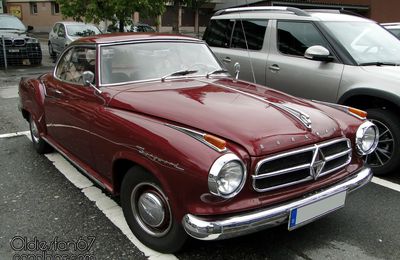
318,53
88,78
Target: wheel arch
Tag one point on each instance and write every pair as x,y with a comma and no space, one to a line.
364,98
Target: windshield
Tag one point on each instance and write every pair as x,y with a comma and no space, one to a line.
11,23
82,30
366,42
154,60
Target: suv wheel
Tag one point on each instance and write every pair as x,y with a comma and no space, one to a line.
385,158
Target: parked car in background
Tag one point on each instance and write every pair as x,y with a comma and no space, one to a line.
393,28
322,55
131,27
191,151
63,33
18,46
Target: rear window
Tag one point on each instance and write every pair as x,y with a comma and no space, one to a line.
252,31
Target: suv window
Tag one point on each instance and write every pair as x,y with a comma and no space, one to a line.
254,32
218,33
55,28
295,37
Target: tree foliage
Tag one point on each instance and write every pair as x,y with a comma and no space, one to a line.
115,10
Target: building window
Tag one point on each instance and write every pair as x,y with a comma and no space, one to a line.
34,8
55,8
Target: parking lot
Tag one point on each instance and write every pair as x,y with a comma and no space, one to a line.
48,208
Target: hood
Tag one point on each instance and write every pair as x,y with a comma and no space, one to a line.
236,111
13,33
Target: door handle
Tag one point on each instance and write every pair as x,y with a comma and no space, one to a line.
274,68
227,60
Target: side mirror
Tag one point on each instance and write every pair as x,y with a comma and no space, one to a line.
237,69
88,78
318,53
30,28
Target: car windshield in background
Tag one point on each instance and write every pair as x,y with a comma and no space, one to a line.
367,42
82,30
155,60
11,23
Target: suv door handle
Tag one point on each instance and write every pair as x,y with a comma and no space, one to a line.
227,60
274,67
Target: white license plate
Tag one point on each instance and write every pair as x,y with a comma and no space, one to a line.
13,50
305,214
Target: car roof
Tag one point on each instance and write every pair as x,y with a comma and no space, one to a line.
126,37
72,23
391,25
289,13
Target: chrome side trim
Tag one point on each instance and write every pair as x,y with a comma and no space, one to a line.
204,228
74,163
196,135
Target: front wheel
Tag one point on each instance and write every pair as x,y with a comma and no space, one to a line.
385,159
39,144
148,212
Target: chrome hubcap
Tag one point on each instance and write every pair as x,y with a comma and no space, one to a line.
151,210
386,145
34,131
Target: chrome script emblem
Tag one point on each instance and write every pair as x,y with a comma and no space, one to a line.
318,163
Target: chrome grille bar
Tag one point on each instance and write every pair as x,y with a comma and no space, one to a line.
301,165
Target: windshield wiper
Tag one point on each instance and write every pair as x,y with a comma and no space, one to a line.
178,73
218,71
378,63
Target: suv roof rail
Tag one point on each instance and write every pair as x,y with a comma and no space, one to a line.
333,11
294,10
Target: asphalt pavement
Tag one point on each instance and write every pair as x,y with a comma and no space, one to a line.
47,208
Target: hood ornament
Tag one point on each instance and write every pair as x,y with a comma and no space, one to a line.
301,116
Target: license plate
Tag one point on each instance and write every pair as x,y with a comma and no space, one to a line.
13,50
308,213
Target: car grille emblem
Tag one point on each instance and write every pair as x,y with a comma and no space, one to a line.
318,163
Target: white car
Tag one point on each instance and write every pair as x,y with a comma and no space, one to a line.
63,33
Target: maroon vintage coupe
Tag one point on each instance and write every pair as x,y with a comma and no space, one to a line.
157,120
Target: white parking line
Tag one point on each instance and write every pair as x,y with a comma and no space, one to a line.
387,184
108,206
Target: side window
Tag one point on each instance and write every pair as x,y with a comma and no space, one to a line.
74,62
252,31
218,33
61,31
295,37
55,28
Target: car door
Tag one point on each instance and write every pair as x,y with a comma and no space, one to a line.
70,106
287,69
243,42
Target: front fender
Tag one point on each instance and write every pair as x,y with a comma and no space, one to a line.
369,91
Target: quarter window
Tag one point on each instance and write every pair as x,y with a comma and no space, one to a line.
250,31
218,33
295,37
74,62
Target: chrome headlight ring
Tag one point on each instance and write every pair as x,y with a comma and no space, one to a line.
227,176
367,138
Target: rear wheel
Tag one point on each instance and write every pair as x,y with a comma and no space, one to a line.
148,213
385,159
39,144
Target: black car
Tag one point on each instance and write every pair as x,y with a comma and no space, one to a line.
16,44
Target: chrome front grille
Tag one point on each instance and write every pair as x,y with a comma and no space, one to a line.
301,165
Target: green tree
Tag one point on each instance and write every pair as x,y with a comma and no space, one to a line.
114,10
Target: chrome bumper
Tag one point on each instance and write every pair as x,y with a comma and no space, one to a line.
245,223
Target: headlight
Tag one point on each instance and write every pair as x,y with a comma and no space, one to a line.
31,40
227,176
367,137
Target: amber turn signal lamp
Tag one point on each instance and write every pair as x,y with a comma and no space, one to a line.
217,142
358,112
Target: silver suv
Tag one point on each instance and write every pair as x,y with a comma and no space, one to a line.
321,55
393,28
